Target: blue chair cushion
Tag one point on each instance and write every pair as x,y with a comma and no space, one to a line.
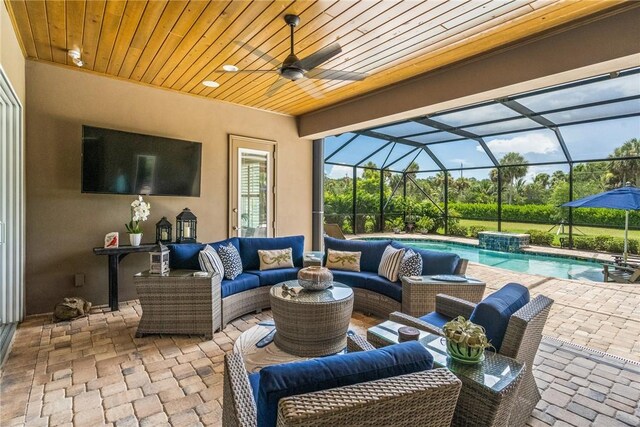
290,379
355,279
436,319
433,262
372,250
273,277
494,312
184,256
254,383
249,249
385,287
243,282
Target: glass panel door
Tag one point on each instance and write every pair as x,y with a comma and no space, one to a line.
251,187
253,190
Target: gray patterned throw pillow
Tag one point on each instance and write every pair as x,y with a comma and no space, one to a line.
231,261
411,264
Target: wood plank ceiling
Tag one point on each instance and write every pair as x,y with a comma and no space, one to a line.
178,44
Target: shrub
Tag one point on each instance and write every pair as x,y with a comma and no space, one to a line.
369,225
584,242
393,224
475,229
346,226
458,230
540,237
425,224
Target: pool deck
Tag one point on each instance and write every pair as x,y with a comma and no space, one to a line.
601,316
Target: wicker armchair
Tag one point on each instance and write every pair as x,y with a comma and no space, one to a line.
422,398
521,341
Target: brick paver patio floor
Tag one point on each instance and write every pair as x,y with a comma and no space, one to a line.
92,371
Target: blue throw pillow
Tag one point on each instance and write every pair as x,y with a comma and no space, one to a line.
230,261
493,313
411,264
296,378
184,256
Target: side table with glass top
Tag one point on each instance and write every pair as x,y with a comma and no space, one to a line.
311,323
489,388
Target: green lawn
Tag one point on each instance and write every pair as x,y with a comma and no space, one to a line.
518,227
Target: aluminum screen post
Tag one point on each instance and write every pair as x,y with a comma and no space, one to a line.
317,204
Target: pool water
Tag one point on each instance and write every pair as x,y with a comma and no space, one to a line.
563,268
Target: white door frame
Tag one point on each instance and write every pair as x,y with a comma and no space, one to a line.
237,145
12,211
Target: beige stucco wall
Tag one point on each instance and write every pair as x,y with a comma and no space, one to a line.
11,58
63,225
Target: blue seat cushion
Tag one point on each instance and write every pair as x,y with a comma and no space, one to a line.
433,262
436,319
254,383
355,279
290,379
385,287
275,276
243,282
372,250
493,312
249,247
184,256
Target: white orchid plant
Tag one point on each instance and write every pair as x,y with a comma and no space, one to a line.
140,211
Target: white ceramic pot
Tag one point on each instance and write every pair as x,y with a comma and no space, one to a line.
135,239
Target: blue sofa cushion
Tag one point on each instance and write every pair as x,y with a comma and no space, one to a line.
436,319
494,312
433,262
385,287
249,249
290,379
243,282
275,276
184,256
372,250
355,279
254,383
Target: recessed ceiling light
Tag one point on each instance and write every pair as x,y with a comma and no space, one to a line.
230,68
210,83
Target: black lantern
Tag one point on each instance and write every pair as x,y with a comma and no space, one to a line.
186,223
163,231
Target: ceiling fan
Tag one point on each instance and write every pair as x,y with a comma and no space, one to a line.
295,69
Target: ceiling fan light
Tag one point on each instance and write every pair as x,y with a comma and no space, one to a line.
211,83
292,74
74,54
78,62
230,68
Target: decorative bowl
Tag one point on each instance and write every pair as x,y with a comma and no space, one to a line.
463,353
315,278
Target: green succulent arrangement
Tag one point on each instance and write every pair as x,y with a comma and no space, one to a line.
466,341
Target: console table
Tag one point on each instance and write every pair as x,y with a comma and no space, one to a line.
115,255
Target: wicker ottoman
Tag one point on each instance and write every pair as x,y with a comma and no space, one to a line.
311,323
178,303
419,293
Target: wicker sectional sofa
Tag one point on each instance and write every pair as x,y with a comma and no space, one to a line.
249,291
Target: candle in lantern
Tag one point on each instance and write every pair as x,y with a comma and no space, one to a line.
165,236
186,230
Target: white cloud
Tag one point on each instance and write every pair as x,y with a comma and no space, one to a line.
537,143
337,172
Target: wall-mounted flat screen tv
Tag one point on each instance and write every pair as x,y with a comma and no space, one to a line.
119,162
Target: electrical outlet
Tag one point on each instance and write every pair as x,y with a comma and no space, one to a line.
79,280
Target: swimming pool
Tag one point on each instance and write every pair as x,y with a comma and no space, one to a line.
563,268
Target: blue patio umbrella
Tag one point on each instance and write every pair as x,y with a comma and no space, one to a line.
626,198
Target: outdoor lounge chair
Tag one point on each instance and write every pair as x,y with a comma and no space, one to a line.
378,387
334,230
520,341
621,273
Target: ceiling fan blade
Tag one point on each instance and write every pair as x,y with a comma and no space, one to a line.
311,89
323,55
321,73
270,59
247,71
275,87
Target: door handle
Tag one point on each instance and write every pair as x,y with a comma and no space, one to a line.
235,210
235,228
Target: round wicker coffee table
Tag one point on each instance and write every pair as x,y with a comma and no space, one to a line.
311,323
